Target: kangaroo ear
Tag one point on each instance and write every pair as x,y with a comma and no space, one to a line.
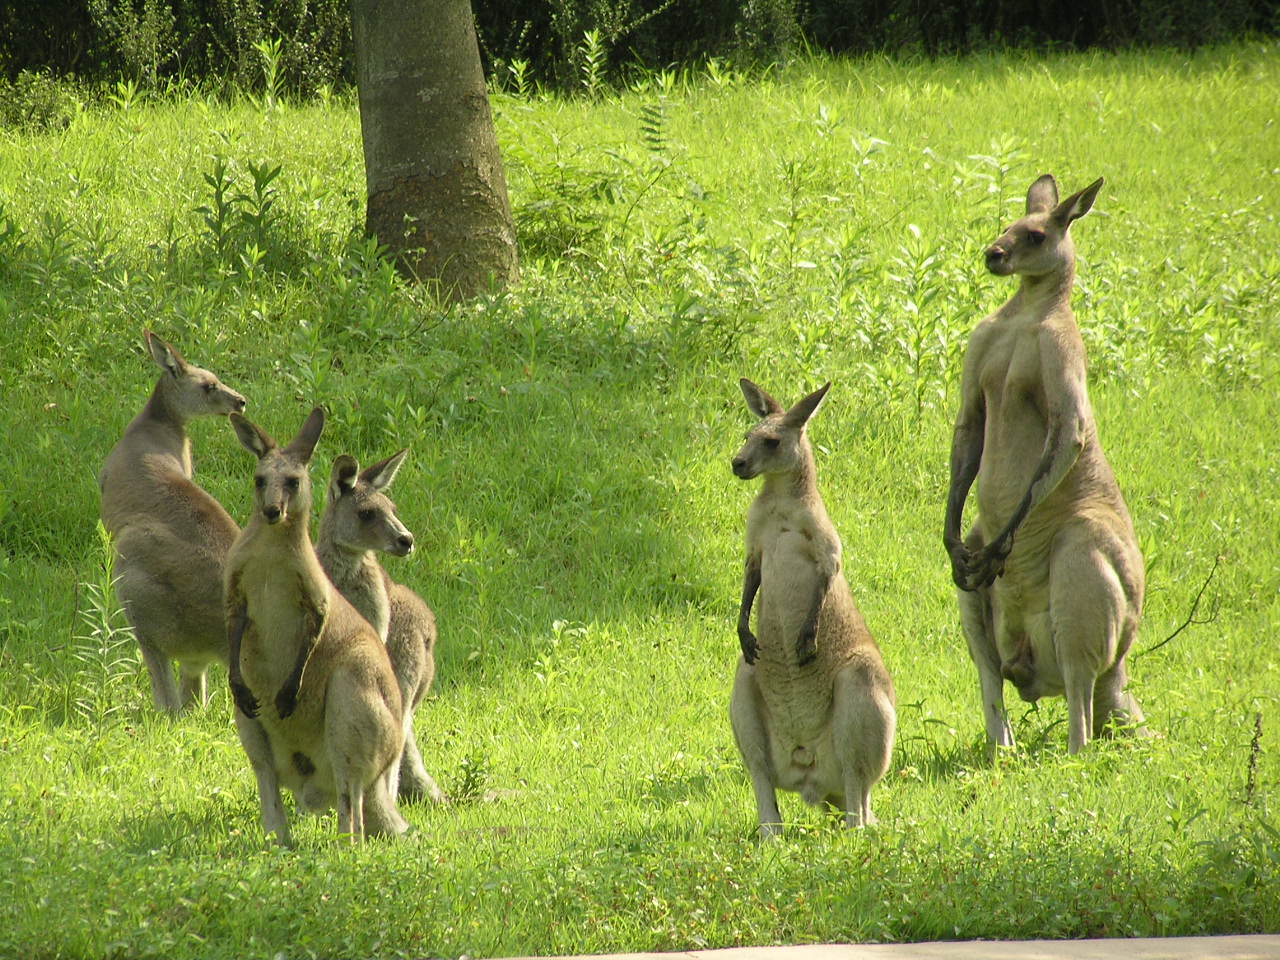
166,356
759,402
342,479
252,437
381,474
1077,205
1043,195
303,445
801,413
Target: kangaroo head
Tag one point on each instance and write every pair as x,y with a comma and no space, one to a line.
1040,243
190,390
282,484
359,514
777,444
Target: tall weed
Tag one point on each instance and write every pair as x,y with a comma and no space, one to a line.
104,649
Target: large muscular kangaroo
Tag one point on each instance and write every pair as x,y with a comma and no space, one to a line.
1051,577
813,705
170,537
331,729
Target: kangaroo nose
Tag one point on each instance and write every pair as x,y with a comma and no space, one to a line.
240,404
272,513
995,253
405,542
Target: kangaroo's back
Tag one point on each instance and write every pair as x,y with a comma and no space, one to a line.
170,537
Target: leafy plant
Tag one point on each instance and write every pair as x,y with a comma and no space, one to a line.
591,58
272,52
105,648
241,223
35,101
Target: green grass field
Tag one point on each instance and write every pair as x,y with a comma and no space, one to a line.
580,530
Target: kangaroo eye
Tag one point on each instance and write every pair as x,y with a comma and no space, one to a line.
771,442
1036,237
366,515
208,388
259,482
291,483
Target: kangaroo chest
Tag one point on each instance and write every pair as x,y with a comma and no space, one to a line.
1016,420
283,615
799,554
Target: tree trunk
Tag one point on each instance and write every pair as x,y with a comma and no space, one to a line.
436,193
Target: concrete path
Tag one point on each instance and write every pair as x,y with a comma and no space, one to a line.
1264,947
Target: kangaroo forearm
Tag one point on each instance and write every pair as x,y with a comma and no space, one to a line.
810,625
237,622
312,626
750,587
966,458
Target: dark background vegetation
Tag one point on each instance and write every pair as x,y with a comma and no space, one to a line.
161,41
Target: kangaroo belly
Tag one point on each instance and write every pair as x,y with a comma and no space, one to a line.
300,758
798,706
809,769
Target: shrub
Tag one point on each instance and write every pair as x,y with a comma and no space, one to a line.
33,102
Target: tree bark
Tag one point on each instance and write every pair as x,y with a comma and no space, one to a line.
437,196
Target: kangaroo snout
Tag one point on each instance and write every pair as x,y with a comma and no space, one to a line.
997,258
238,403
741,468
273,513
404,544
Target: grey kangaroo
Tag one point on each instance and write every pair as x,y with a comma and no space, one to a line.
332,729
170,537
1050,576
813,705
359,521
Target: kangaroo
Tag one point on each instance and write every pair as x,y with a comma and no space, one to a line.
813,705
170,537
333,733
1051,578
359,518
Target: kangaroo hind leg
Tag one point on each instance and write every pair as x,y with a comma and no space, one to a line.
1086,605
864,722
253,737
978,619
746,713
415,783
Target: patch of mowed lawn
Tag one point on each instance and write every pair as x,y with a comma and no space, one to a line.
580,532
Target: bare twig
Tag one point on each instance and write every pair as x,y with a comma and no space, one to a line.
1195,605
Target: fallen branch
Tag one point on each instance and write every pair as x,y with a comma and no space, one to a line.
1191,617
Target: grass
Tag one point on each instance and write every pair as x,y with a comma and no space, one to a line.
580,530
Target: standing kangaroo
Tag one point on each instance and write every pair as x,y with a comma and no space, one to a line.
170,537
333,731
1051,577
813,705
359,519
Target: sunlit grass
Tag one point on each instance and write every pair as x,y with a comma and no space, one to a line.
579,528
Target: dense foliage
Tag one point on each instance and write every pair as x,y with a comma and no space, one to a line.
217,40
